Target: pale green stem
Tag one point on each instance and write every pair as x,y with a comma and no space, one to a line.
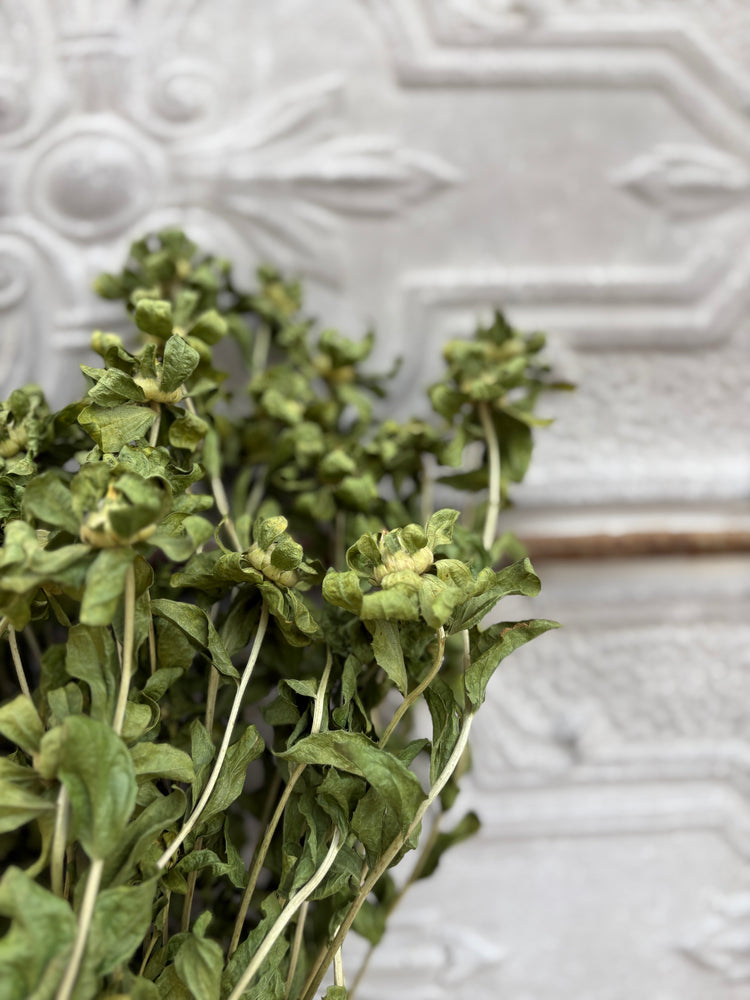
260,857
213,688
126,669
415,873
338,970
4,626
85,914
294,904
426,498
220,494
59,841
17,663
261,348
154,435
296,946
493,496
422,686
234,712
256,493
262,850
388,857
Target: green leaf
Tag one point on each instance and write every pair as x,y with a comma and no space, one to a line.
440,527
95,767
199,964
91,656
42,930
489,649
210,326
121,919
231,781
114,427
154,316
194,623
47,499
343,590
356,754
386,646
161,760
491,587
180,361
142,835
19,805
105,585
20,723
187,431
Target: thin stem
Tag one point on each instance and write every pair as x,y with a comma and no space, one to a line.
234,711
85,914
493,497
220,494
213,688
426,501
261,348
126,669
256,493
59,842
388,857
260,856
422,686
414,875
149,949
151,640
294,903
154,435
262,849
299,931
4,626
17,663
338,970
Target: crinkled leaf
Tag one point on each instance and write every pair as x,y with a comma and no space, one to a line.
519,578
105,585
95,767
48,499
20,723
180,361
232,777
43,927
386,646
355,753
440,527
154,316
199,629
489,649
343,590
91,656
113,427
121,918
18,805
161,760
199,963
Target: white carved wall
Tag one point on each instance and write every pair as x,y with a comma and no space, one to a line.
586,165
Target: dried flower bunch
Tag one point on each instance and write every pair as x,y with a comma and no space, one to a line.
220,610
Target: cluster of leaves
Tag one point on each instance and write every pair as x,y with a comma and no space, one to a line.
210,600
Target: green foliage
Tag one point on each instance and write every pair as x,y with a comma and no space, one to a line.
183,569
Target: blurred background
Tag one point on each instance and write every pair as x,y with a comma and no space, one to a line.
584,164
